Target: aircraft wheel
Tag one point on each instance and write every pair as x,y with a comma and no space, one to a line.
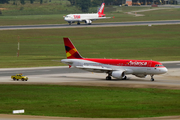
124,78
22,79
78,23
152,79
70,23
14,78
108,78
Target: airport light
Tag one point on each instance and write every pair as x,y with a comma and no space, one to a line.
18,47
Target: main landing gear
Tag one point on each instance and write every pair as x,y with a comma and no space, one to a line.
70,23
108,77
124,78
78,23
152,79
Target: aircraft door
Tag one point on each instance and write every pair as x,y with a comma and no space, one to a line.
149,64
149,67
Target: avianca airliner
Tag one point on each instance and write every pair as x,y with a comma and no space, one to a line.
87,18
116,68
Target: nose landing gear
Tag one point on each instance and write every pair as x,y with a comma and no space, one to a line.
152,79
70,23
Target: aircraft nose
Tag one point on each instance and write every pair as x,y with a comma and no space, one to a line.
164,70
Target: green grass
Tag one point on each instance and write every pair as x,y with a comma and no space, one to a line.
121,16
52,13
32,19
45,47
91,102
54,7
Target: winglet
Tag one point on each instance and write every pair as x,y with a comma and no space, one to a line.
71,51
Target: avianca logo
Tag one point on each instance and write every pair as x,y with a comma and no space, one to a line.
137,63
100,10
71,52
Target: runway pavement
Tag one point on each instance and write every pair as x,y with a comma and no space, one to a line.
164,22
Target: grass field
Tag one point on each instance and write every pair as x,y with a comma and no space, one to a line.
53,14
99,102
46,47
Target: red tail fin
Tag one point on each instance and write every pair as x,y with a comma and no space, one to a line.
101,10
71,51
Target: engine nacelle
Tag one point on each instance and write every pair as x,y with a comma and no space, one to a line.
118,74
88,22
141,75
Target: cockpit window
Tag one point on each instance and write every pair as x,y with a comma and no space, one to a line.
67,16
159,65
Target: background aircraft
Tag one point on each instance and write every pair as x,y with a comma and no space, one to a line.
87,18
117,68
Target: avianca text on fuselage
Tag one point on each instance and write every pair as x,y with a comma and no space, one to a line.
87,18
116,68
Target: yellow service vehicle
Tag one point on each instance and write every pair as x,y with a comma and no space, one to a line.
19,77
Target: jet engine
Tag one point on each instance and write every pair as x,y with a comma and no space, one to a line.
141,75
88,22
118,74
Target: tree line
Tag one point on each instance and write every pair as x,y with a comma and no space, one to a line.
96,2
85,4
82,4
21,1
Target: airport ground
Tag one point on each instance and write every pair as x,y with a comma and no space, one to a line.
166,81
63,77
73,77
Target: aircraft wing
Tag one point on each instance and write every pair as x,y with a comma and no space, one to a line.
95,69
99,18
94,18
104,17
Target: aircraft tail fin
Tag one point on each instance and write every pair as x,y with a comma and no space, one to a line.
101,9
71,51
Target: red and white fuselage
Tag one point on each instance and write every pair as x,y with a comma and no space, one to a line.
117,68
87,18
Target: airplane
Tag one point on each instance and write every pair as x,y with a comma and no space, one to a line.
87,18
116,68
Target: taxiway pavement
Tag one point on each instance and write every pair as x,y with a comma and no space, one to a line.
162,22
72,76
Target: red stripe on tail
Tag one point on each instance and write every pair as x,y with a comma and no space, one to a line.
101,10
